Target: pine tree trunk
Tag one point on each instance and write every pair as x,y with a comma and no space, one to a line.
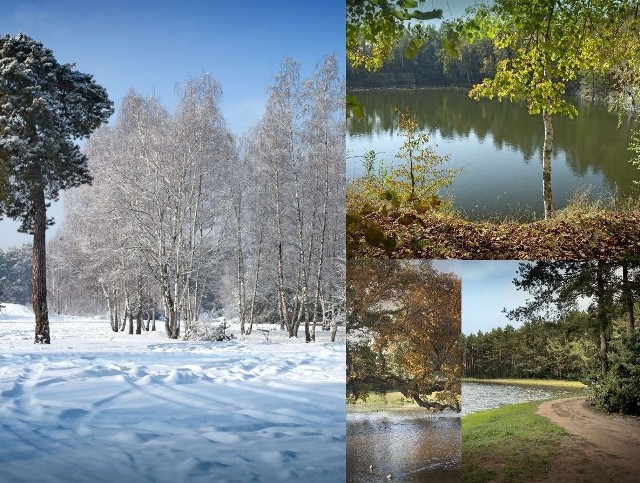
39,269
546,164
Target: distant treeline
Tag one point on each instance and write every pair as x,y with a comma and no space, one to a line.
435,66
15,275
432,66
538,349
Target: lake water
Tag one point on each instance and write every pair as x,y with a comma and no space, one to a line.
498,145
412,445
480,396
416,445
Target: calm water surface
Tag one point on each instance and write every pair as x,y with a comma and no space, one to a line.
481,396
499,145
412,445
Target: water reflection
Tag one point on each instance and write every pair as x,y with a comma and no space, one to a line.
481,396
499,146
412,445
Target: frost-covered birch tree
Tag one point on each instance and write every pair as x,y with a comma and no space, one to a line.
184,216
298,147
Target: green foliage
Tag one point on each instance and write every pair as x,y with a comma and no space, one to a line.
538,349
374,27
432,62
414,181
619,390
549,44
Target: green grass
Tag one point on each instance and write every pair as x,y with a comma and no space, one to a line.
510,443
530,382
379,401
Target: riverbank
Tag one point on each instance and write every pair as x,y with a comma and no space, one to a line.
575,233
529,382
557,440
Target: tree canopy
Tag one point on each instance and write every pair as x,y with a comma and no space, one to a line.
374,27
45,108
403,332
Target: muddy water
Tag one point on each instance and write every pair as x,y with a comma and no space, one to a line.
412,445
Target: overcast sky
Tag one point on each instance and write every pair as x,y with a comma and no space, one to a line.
487,288
152,45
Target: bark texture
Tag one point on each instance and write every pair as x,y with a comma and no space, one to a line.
39,270
546,164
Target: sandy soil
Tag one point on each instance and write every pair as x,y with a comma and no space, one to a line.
599,447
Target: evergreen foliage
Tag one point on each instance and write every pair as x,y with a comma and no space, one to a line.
619,390
45,108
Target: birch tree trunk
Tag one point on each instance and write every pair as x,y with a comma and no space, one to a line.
547,151
628,299
603,319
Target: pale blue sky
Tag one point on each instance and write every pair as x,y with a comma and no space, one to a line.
487,288
152,45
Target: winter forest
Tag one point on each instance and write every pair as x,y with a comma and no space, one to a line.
184,217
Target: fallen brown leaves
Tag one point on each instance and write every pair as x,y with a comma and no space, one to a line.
605,235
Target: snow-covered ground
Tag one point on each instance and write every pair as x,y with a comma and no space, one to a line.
96,406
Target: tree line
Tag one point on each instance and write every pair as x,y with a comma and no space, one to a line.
538,349
15,275
432,65
183,217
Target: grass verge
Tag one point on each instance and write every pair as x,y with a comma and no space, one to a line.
508,444
530,382
383,401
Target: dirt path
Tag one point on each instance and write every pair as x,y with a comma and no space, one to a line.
599,447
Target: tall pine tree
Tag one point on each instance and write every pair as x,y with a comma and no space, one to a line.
44,107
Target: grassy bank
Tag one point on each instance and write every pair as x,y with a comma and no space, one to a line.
379,401
510,443
530,382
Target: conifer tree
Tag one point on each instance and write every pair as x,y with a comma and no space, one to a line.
45,107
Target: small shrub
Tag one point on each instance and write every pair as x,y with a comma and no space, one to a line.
207,331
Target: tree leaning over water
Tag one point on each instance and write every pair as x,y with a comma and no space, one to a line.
403,332
44,108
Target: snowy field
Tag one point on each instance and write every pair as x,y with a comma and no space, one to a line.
96,406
